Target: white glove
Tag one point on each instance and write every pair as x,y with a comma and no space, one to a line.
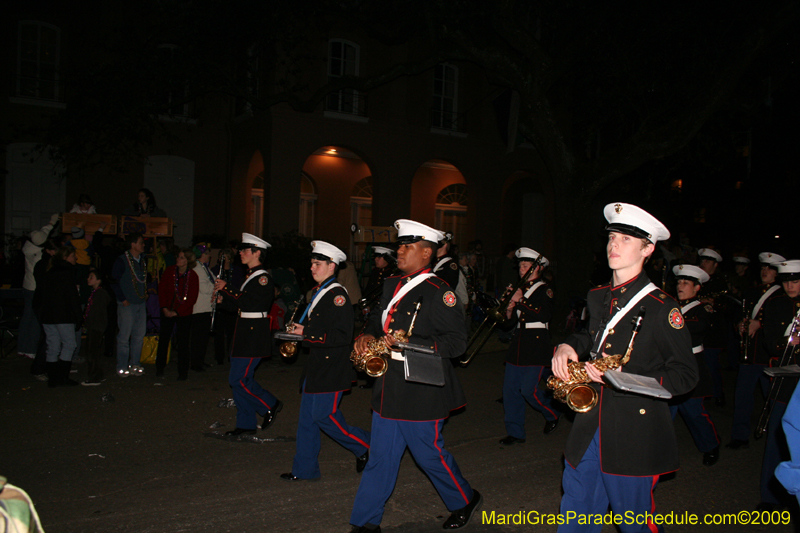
54,219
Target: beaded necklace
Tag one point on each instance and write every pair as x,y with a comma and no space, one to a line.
135,276
185,283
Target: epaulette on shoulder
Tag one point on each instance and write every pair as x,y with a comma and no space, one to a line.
600,287
661,296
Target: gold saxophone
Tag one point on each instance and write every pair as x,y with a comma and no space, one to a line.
375,360
576,392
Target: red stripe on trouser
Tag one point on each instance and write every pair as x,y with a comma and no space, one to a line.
704,413
444,463
650,525
361,442
537,398
247,370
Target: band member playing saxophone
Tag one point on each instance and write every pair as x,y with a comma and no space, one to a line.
616,452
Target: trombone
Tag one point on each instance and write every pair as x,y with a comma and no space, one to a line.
494,317
775,387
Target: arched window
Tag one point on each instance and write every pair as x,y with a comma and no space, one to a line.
38,53
451,212
308,199
257,203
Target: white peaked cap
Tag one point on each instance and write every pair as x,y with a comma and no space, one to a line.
329,251
692,272
382,250
740,259
529,254
789,270
409,231
252,240
709,253
769,258
634,221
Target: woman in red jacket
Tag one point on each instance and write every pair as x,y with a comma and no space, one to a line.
177,293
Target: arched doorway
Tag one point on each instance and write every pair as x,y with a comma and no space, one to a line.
439,199
257,205
308,199
451,212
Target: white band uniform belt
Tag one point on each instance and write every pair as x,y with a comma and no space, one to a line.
697,349
248,314
533,325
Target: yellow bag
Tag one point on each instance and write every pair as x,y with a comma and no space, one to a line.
150,349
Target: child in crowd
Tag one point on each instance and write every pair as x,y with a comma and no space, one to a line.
95,321
84,206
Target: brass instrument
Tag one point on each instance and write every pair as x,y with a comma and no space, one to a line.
288,349
744,357
775,386
375,360
577,392
494,317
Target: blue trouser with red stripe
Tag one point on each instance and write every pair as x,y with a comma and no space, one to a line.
521,384
249,396
747,381
389,441
320,412
775,450
590,491
699,423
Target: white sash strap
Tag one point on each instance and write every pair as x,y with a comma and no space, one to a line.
763,299
320,294
252,276
402,292
441,263
624,311
697,349
528,294
688,307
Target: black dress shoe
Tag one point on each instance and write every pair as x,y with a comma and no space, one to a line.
240,431
365,529
735,444
550,426
288,476
711,458
269,416
509,440
460,518
361,462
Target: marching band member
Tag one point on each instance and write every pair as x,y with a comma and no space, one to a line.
252,341
696,314
779,313
408,414
616,452
327,325
715,339
751,371
529,353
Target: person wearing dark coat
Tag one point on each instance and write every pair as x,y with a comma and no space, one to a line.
177,294
781,337
529,352
409,414
252,341
59,311
755,357
690,279
95,321
617,450
327,325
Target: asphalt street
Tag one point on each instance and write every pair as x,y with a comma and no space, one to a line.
148,461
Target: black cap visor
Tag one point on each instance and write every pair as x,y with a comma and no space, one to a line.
633,231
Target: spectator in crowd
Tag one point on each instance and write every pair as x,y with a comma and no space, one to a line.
39,365
145,206
84,206
177,294
95,321
130,288
29,329
59,310
201,313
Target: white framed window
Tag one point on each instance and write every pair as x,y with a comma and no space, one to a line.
38,56
343,60
257,205
360,212
444,113
308,200
451,212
